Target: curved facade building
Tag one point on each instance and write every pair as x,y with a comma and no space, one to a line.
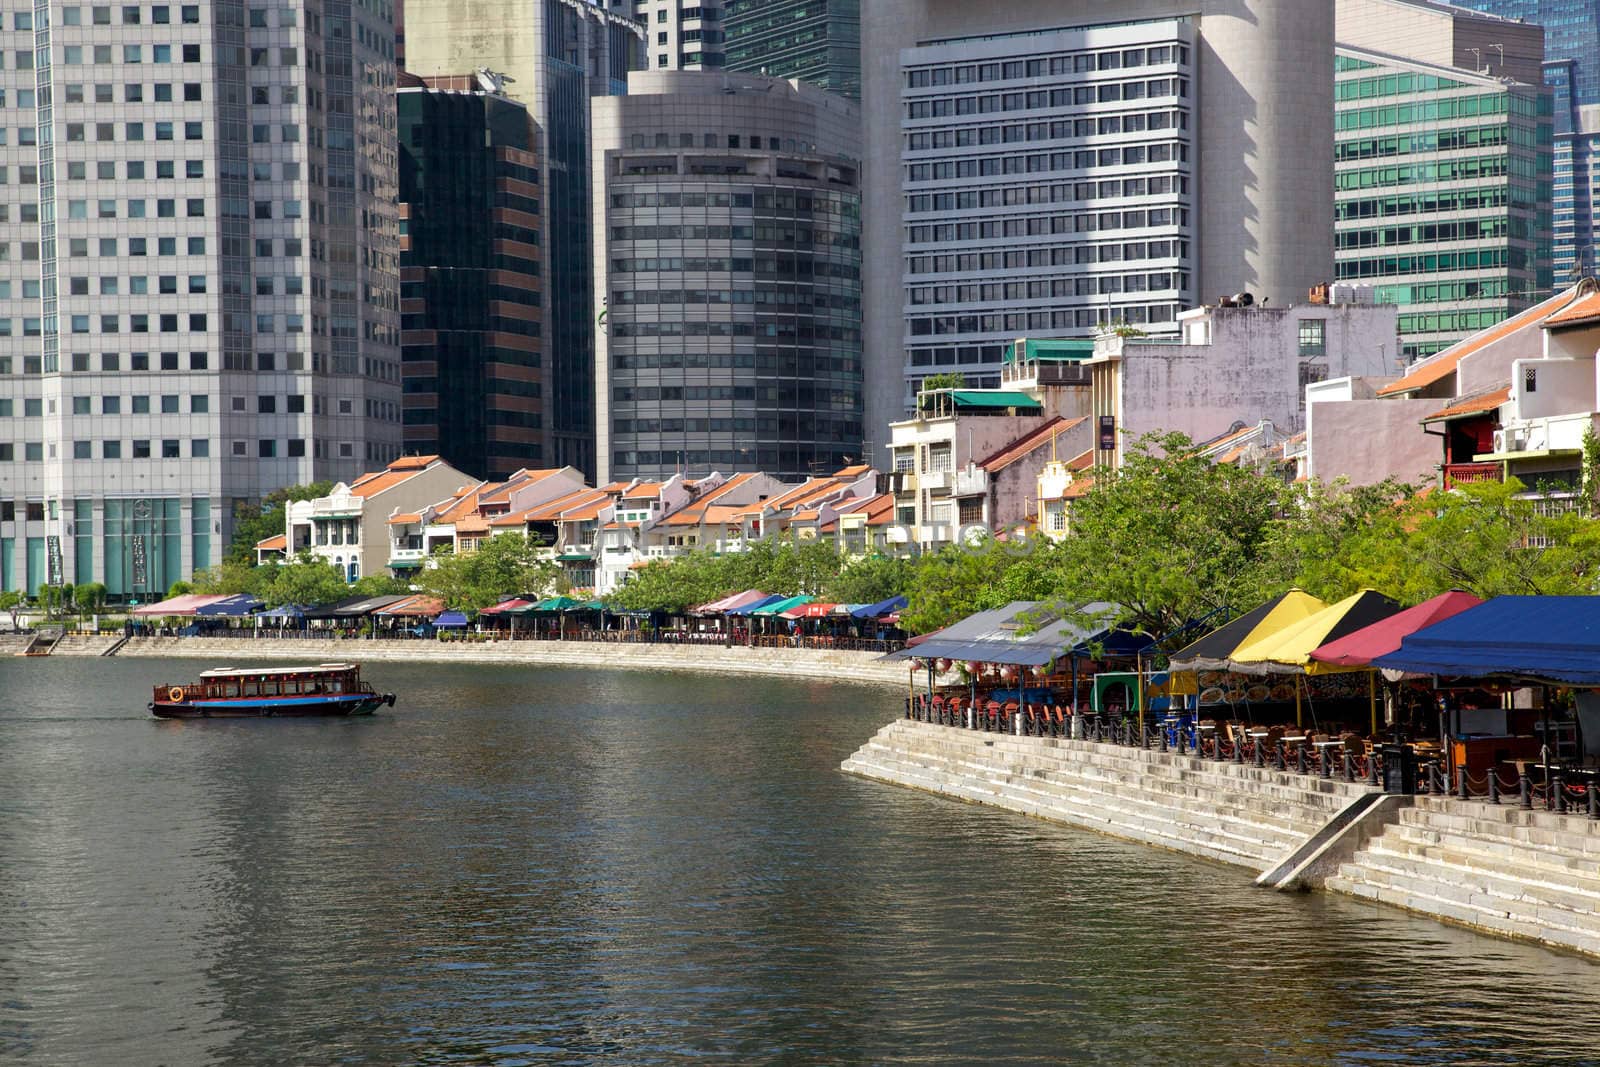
728,258
1048,169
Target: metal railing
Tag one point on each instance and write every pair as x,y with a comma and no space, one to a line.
1328,760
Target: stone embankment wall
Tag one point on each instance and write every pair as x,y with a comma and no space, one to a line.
1529,875
716,659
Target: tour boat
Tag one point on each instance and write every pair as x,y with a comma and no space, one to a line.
259,692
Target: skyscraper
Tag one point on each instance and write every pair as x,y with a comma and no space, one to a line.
469,275
1056,168
1572,71
728,246
554,56
681,34
818,41
201,286
1442,172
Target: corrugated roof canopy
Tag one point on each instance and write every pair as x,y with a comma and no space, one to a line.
994,398
996,636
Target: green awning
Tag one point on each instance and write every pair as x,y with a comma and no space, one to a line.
555,603
779,606
1074,349
994,398
397,564
589,605
571,556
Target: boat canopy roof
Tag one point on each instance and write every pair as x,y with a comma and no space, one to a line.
237,672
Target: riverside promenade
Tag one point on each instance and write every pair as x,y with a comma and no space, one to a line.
806,663
1502,869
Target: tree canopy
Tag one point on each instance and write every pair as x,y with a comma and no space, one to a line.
253,523
508,564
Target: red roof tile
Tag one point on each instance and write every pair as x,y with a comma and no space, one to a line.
1474,406
1437,367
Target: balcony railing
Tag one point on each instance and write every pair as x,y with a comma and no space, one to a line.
1468,473
972,481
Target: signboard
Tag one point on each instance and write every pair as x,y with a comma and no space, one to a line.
1108,433
141,570
53,560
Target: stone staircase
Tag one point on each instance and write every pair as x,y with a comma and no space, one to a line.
1234,813
14,644
85,644
1533,875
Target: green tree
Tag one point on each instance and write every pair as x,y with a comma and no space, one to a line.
11,602
379,585
257,522
228,577
945,380
1486,538
507,564
91,598
870,579
1171,536
181,587
306,580
958,580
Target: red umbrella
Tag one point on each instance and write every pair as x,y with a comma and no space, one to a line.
1360,648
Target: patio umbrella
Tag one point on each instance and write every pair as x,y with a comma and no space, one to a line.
1360,648
451,620
1213,651
1289,650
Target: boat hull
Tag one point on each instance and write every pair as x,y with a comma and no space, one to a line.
333,705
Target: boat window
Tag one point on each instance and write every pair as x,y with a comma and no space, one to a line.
230,690
291,686
251,689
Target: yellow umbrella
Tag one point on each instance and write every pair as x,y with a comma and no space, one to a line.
1289,649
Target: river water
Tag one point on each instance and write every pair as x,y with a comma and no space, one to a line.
537,866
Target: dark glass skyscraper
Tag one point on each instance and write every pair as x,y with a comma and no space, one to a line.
473,367
1572,71
818,41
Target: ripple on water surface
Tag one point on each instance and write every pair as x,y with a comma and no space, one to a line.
557,866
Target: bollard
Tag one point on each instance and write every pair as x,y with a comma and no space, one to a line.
1494,786
1560,794
1279,758
1144,736
1261,757
1525,789
1461,782
1163,739
1372,769
971,720
1300,759
1594,801
1238,751
1017,723
1324,763
1183,741
1349,768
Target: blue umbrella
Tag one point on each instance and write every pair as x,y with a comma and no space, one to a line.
450,619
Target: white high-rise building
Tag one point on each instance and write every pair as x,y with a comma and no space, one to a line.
681,34
199,283
1050,169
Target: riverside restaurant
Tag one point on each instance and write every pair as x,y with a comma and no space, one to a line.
1497,700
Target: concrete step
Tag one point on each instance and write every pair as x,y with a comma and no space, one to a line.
1535,831
1228,831
1495,854
1268,832
1396,886
1578,894
1090,811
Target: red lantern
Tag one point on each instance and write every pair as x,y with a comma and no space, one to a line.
974,669
1009,673
944,665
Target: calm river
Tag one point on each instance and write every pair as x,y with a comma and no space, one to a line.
521,865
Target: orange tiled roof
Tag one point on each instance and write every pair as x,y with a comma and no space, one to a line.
644,491
1584,309
502,493
693,513
550,510
853,472
1080,487
1441,365
403,518
805,493
1475,406
276,541
1025,444
878,510
1081,462
401,470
